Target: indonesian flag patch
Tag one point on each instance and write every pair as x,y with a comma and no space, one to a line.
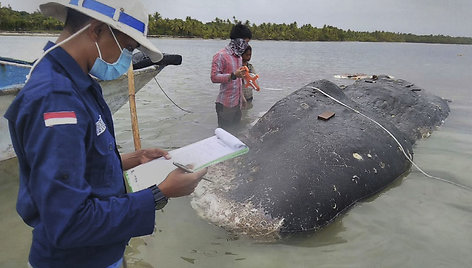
60,118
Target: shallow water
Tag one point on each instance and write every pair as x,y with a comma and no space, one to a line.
417,222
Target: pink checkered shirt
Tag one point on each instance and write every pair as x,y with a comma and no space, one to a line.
224,63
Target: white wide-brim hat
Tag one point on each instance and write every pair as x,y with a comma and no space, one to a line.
126,16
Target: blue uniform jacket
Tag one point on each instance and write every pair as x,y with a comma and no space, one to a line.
72,190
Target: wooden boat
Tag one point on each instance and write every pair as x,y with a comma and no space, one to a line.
13,74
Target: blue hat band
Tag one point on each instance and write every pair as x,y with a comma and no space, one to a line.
110,12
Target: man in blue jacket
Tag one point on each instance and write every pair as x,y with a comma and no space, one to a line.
71,175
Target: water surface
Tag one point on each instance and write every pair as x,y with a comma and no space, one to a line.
417,222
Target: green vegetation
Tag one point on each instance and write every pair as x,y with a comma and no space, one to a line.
11,20
219,28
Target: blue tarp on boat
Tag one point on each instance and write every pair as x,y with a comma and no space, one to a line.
13,72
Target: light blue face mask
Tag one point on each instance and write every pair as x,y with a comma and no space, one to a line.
111,71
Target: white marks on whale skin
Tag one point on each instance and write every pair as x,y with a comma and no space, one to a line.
271,131
355,179
369,155
340,161
305,106
337,155
357,156
382,165
334,205
335,189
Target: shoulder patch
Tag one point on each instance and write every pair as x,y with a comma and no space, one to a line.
60,118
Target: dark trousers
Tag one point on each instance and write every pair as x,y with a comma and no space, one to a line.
227,117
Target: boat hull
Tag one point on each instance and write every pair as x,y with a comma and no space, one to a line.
115,93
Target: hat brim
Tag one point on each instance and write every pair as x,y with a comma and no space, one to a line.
59,11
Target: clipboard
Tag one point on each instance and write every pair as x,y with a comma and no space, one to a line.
204,153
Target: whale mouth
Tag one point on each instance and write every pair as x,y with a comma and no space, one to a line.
240,218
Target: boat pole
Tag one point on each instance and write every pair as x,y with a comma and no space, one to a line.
132,109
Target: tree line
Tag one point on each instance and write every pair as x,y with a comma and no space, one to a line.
21,21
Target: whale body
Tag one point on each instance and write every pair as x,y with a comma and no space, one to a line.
302,171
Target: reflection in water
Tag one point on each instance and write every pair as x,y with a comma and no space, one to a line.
132,254
16,235
330,235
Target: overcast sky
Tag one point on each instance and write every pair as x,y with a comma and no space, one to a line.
448,17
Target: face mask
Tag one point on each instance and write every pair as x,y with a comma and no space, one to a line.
111,71
238,46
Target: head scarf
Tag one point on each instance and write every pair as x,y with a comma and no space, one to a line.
238,46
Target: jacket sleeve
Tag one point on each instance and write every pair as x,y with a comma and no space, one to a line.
217,70
70,213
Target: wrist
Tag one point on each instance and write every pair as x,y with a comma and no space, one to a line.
130,160
160,200
233,76
141,155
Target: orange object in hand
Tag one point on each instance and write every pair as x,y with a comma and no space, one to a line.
251,79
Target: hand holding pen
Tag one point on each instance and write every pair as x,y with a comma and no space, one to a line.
186,169
181,182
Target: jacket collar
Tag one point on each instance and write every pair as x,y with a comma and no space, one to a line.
82,80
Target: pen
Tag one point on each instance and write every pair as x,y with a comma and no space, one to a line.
186,169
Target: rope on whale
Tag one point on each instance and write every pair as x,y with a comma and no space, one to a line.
395,139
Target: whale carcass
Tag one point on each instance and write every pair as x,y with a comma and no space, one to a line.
302,172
